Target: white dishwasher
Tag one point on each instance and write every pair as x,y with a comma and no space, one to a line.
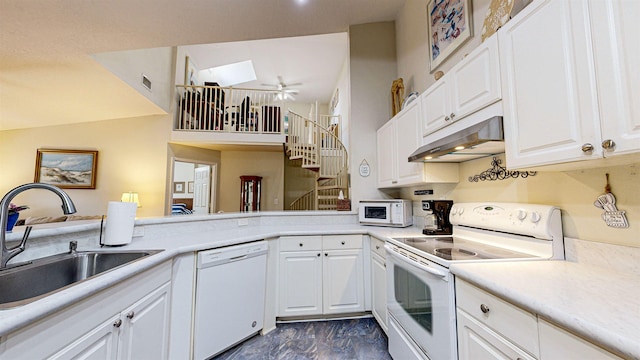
230,297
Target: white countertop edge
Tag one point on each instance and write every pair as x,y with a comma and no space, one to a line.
571,318
16,318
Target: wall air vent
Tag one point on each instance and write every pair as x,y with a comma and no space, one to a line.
146,82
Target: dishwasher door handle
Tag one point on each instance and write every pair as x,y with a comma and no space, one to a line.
241,257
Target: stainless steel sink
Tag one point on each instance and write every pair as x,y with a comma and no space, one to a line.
26,283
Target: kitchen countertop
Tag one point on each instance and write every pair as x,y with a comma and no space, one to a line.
595,303
569,294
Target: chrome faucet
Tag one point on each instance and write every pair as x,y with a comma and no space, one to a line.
67,207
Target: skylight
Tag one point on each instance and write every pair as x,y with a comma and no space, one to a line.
233,74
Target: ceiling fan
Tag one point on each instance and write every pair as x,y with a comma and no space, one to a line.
284,91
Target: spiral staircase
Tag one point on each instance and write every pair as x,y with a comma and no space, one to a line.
316,147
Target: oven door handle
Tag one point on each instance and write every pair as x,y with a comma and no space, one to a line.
415,264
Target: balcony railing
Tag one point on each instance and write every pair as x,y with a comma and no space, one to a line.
228,109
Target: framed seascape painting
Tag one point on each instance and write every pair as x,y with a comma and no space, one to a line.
448,26
67,169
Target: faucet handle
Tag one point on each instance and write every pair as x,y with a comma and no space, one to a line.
23,243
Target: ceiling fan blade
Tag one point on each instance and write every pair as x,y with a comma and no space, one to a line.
291,91
289,96
294,84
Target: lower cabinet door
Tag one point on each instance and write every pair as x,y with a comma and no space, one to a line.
379,290
300,288
478,342
98,344
145,327
343,285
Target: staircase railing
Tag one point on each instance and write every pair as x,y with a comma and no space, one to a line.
319,149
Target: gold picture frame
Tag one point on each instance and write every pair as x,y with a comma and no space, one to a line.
67,169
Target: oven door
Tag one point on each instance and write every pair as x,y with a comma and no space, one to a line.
375,213
420,300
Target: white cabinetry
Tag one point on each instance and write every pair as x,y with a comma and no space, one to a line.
320,275
568,82
556,343
127,321
379,283
490,328
471,85
396,140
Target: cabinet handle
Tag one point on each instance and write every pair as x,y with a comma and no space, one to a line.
452,115
377,247
446,118
587,148
608,144
326,254
343,243
300,244
118,323
130,315
484,308
318,254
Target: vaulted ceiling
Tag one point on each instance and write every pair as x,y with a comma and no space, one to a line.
48,77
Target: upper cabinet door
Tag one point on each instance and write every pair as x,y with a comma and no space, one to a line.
615,30
549,88
408,139
475,82
386,142
436,106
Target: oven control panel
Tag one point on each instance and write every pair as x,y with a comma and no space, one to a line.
539,221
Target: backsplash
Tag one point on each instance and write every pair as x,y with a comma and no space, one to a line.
618,258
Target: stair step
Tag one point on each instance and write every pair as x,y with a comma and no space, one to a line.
331,187
327,197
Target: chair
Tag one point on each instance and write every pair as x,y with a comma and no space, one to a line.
214,100
243,117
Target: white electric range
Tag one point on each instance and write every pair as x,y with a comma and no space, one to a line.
421,290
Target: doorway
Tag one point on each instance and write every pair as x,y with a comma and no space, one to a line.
193,189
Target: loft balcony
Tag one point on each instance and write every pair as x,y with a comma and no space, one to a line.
228,115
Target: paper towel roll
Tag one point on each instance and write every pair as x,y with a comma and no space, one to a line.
120,220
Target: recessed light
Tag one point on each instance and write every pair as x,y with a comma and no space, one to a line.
428,157
459,148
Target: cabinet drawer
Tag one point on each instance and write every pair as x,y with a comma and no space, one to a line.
337,242
515,324
377,246
300,243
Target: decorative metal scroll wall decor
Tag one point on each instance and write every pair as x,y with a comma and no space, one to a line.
498,172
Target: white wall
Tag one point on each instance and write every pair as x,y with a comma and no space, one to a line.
183,172
157,64
372,69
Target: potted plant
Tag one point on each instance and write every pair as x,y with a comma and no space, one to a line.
14,214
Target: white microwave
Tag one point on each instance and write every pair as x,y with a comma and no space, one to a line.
387,212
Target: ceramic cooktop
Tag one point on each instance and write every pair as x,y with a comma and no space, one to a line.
451,248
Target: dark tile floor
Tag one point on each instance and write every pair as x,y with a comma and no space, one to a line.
322,340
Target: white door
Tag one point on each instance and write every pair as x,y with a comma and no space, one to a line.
343,281
145,327
100,343
615,29
549,95
408,139
386,150
436,106
379,290
201,190
300,283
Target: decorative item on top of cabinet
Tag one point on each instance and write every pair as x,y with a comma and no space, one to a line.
611,216
397,95
498,172
498,13
448,27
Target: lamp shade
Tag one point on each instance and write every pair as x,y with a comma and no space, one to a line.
131,197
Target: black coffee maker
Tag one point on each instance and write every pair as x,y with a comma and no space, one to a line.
437,217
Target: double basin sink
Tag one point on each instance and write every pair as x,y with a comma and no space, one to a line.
23,284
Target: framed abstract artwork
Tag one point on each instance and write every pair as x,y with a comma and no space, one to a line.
448,26
67,169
